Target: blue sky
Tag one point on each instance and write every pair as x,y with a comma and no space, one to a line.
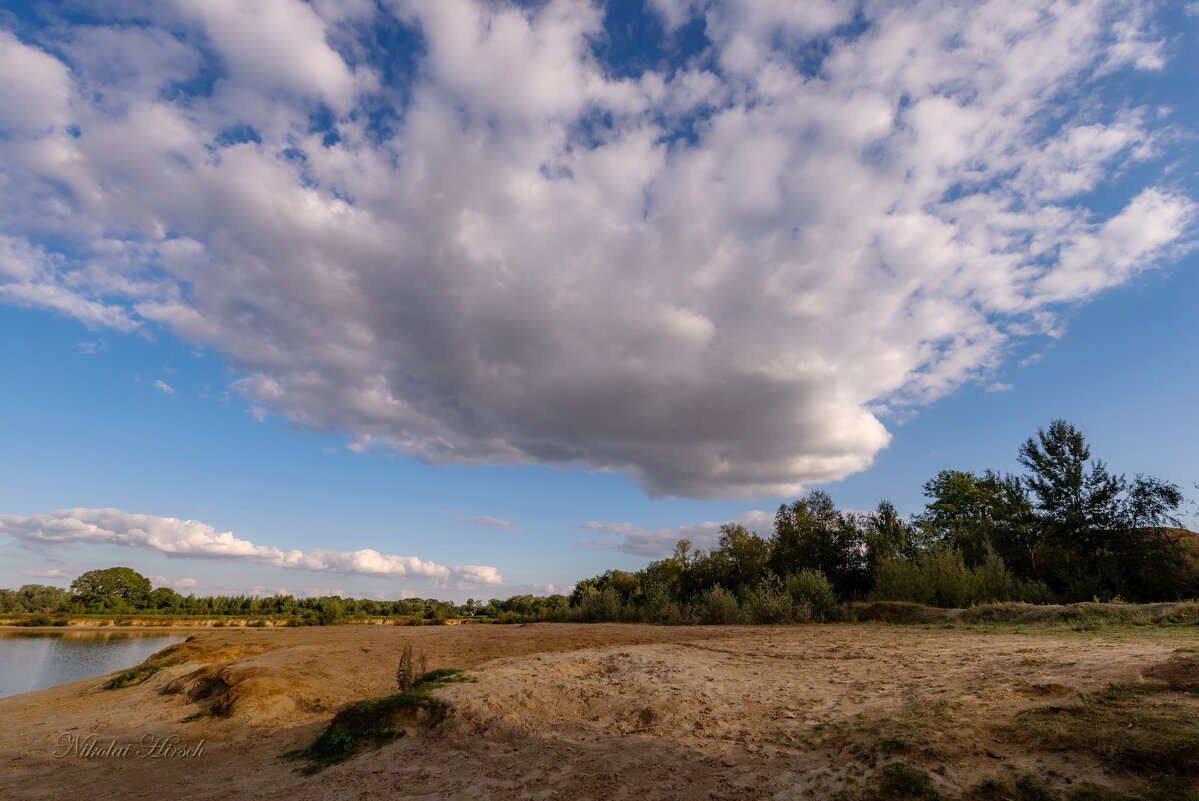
484,298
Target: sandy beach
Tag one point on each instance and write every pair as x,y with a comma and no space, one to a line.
570,712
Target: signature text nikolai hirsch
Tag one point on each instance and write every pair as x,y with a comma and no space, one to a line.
151,746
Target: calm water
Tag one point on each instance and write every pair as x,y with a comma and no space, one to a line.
37,660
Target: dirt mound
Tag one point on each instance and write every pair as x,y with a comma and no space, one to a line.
252,694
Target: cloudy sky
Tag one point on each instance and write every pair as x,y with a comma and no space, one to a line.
479,297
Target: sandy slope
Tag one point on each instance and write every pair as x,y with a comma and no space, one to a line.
571,712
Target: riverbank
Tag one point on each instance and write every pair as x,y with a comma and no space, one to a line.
586,711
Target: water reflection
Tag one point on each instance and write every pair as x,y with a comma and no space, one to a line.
34,660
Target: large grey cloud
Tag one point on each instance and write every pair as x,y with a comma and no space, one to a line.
714,277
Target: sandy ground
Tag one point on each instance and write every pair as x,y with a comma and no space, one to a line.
563,711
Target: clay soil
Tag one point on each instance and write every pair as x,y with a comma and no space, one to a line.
561,711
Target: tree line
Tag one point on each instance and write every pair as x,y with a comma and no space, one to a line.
1066,530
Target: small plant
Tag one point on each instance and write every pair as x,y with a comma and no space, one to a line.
406,672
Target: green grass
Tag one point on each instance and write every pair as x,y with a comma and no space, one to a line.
371,724
137,675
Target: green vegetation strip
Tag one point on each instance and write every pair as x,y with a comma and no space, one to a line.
371,724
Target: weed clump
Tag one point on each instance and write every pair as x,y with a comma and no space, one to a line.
372,724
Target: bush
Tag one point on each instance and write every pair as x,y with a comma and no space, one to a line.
603,605
38,620
769,603
810,587
718,607
941,578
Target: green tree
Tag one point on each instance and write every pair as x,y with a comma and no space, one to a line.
43,598
811,534
163,598
975,514
112,589
1104,534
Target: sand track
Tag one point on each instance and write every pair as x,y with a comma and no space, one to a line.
573,712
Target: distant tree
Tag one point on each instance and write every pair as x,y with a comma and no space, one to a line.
164,598
43,598
112,589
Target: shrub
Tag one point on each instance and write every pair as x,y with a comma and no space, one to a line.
718,607
769,603
812,588
38,620
603,605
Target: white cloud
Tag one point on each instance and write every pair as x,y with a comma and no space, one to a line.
40,100
715,279
164,387
320,592
658,543
183,583
554,589
486,521
193,538
267,592
53,573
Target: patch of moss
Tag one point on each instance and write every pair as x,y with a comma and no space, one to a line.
371,724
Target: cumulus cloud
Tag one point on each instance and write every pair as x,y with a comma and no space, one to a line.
715,276
486,521
658,543
164,387
192,538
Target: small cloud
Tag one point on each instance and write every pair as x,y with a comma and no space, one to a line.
164,387
183,583
467,575
486,521
554,589
321,592
91,347
1031,360
266,592
998,386
258,413
55,573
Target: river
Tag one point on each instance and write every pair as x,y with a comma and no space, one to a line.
36,660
